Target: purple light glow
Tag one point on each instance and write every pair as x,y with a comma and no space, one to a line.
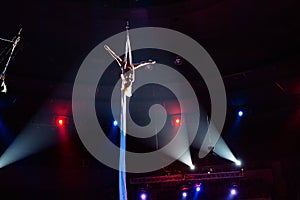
233,191
143,196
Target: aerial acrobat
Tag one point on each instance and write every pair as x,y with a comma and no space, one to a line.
128,70
127,78
15,41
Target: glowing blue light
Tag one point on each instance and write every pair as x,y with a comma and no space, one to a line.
115,123
233,191
240,113
143,196
184,194
198,188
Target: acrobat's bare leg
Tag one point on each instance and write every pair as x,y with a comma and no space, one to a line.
114,55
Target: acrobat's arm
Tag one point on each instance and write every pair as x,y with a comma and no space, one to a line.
136,66
114,55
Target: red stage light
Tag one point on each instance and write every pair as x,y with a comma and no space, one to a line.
176,120
61,121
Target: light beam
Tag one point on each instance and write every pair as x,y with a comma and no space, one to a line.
30,141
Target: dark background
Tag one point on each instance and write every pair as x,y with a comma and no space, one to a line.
255,45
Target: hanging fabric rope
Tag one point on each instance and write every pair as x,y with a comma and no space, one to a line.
15,41
127,78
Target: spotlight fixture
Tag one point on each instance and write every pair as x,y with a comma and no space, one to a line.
234,190
238,163
61,121
176,120
240,113
143,196
192,167
115,123
197,187
184,191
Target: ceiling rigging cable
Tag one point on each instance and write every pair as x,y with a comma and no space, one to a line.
10,51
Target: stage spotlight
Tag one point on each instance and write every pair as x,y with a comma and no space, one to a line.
115,123
176,120
233,190
143,196
240,113
197,187
61,121
184,191
238,163
192,167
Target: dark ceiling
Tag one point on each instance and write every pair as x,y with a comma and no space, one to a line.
255,45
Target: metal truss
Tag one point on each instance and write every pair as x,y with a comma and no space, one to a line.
187,177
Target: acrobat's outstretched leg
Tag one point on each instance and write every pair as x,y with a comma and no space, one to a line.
114,55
